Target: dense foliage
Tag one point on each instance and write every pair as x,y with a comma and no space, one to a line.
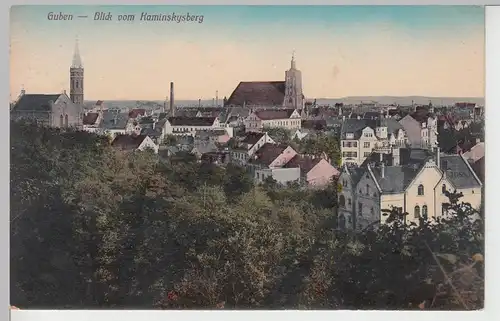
93,227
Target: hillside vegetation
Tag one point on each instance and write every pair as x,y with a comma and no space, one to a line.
92,227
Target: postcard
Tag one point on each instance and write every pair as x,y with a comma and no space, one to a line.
247,157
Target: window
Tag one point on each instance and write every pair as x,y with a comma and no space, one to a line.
367,189
61,121
342,201
366,154
366,144
349,202
443,188
360,209
424,212
355,144
416,213
443,209
372,212
420,189
66,120
368,135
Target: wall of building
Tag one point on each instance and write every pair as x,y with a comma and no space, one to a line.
281,175
368,196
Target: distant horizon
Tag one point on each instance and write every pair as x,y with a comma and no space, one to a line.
342,51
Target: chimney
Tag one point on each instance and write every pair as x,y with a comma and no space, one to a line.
382,170
213,101
199,103
438,157
172,105
216,98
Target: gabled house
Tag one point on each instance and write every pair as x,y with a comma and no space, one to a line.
422,129
273,118
91,122
134,143
201,148
475,153
114,123
360,137
53,110
416,186
248,146
182,126
315,171
219,136
271,156
299,134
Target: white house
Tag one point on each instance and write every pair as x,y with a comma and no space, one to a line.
248,146
361,137
188,126
417,186
272,118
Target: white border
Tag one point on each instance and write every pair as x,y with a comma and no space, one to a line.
492,99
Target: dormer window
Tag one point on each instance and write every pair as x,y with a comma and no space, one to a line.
420,190
349,135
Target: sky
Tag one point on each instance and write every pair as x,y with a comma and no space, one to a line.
435,51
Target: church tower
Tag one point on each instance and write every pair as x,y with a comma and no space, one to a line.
293,87
76,78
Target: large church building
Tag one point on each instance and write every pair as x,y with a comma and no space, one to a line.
265,94
54,109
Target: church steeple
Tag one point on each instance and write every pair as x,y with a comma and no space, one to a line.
294,97
77,60
292,63
76,77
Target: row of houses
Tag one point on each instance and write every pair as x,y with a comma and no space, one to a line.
267,159
414,180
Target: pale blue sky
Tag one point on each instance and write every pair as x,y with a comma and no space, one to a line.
341,50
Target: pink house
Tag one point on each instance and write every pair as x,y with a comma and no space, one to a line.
316,171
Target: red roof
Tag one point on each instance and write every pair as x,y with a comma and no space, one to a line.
267,154
305,163
134,113
274,114
258,93
90,118
128,142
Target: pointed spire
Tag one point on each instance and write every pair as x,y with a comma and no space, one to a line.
292,65
77,61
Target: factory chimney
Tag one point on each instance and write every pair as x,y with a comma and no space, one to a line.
216,98
172,106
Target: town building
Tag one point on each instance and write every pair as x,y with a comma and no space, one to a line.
248,146
416,183
360,137
278,94
273,118
181,126
134,143
54,110
421,129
